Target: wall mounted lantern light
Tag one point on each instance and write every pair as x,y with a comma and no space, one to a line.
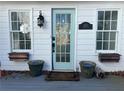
40,19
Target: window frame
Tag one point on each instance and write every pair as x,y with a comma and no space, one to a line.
11,31
117,31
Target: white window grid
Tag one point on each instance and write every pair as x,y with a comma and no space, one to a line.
18,31
102,31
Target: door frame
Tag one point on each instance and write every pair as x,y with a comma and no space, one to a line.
74,34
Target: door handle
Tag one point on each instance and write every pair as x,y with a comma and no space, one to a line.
53,45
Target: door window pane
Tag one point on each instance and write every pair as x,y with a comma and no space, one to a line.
68,18
67,57
67,47
63,58
62,48
57,57
62,18
57,18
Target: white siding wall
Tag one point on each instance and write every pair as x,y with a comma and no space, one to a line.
41,37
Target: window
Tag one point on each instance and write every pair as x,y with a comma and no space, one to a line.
106,30
20,30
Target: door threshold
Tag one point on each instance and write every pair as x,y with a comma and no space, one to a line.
63,70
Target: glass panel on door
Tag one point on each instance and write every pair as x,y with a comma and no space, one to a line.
63,37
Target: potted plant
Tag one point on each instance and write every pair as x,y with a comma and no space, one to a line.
36,67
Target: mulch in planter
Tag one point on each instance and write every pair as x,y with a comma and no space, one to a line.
62,76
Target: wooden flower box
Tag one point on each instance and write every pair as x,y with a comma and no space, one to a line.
109,57
19,56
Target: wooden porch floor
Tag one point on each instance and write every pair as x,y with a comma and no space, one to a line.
27,83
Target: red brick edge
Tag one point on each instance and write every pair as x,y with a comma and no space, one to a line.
5,73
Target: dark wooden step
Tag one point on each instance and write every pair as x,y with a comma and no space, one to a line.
62,76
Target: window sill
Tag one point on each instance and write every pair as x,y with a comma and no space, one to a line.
21,50
106,51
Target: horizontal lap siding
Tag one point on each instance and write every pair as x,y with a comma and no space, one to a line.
41,41
85,38
42,38
4,38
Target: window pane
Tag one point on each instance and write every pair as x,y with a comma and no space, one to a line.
24,17
99,35
100,15
13,16
107,25
57,48
113,25
27,35
68,17
107,15
57,57
99,45
21,36
112,36
67,47
114,15
67,57
105,45
28,44
57,18
14,26
19,25
62,18
112,45
100,25
62,48
62,57
24,21
16,44
22,45
15,36
106,36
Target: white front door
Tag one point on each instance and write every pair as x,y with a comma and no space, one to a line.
63,39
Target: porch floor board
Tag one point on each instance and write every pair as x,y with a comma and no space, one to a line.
110,83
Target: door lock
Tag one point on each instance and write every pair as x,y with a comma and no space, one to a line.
53,38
